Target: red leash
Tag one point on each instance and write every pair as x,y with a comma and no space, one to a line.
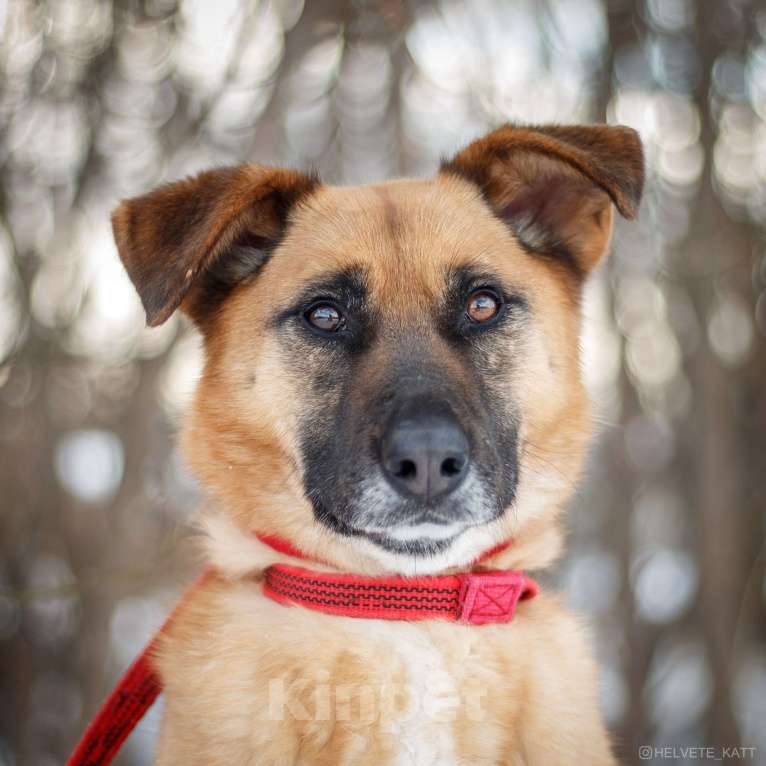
128,702
472,598
123,709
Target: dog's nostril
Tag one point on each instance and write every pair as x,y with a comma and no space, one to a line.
406,470
452,466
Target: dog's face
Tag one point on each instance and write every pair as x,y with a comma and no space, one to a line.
391,368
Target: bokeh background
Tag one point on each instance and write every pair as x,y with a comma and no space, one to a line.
102,100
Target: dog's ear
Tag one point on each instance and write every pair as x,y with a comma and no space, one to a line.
191,240
554,185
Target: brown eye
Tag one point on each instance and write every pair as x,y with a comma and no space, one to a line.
482,306
325,317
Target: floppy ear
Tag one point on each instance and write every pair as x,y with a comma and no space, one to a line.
554,185
192,240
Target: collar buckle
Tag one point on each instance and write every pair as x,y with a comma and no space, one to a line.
489,597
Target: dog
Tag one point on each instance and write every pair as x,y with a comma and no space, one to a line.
391,388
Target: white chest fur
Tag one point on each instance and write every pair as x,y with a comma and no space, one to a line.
386,685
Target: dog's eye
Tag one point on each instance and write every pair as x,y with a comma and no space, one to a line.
482,306
325,317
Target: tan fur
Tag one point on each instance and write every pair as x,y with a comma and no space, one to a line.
523,693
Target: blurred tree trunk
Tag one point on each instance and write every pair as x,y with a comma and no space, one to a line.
625,29
714,441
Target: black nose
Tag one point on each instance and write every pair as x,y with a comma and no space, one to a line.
425,455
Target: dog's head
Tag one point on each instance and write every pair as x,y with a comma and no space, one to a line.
392,371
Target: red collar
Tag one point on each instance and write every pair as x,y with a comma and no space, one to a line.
472,598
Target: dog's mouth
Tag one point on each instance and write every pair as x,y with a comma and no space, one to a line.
421,537
424,535
426,540
410,541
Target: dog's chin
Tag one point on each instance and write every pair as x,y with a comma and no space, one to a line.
419,539
410,546
425,537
